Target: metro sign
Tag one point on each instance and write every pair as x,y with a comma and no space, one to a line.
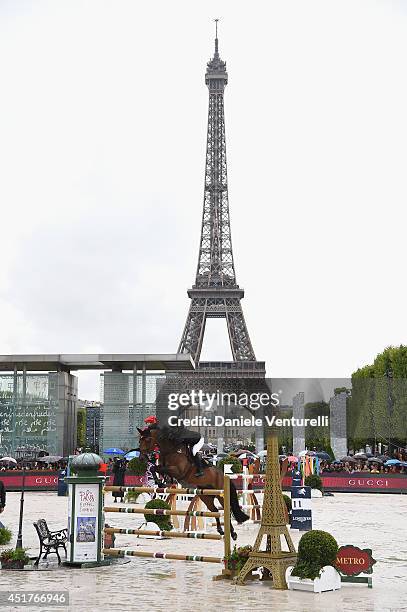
352,560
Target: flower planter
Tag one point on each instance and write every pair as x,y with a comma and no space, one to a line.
230,564
316,493
12,564
329,580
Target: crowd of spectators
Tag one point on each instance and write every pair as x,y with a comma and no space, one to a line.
352,467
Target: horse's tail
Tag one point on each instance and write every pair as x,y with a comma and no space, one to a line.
237,512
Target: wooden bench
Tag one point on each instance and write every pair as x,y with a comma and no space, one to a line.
50,541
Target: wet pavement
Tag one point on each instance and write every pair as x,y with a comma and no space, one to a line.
375,521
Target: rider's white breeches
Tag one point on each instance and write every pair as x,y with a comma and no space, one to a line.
197,447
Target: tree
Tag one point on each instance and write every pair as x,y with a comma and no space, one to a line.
81,428
378,406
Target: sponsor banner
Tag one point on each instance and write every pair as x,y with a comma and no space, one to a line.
368,482
48,481
352,560
301,519
350,483
301,492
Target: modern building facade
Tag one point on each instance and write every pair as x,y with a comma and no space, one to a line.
39,398
92,424
37,412
126,400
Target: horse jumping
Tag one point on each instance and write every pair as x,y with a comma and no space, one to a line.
176,463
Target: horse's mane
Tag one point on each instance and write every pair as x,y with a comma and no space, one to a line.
170,434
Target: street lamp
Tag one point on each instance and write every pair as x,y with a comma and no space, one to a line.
19,543
389,375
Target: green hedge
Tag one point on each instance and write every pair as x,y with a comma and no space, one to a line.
288,502
314,481
237,466
315,550
163,522
137,466
5,536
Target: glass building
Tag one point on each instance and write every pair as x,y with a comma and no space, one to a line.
39,399
37,412
126,400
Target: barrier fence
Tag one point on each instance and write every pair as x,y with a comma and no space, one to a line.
225,513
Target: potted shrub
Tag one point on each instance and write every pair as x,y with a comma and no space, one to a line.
315,569
288,505
131,497
137,466
315,482
14,558
5,536
237,558
163,522
236,464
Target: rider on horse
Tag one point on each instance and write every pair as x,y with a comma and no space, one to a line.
192,440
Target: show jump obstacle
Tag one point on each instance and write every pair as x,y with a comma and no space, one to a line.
86,519
86,522
125,552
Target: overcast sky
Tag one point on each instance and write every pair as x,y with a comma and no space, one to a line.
103,112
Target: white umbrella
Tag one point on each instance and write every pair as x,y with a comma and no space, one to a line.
8,460
302,453
262,453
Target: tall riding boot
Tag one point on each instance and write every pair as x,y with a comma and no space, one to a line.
199,464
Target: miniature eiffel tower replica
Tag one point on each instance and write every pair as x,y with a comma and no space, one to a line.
273,525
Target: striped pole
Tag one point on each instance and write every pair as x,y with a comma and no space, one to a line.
124,552
168,534
167,490
226,514
161,512
248,476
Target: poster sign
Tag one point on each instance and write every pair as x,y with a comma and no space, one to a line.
352,560
85,536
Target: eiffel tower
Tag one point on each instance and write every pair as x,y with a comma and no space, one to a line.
215,293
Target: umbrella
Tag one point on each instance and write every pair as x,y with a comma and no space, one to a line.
374,460
393,462
50,459
262,453
323,455
8,460
302,453
114,451
206,447
348,459
336,462
360,456
242,451
132,454
292,459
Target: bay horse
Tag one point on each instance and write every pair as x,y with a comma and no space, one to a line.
176,462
